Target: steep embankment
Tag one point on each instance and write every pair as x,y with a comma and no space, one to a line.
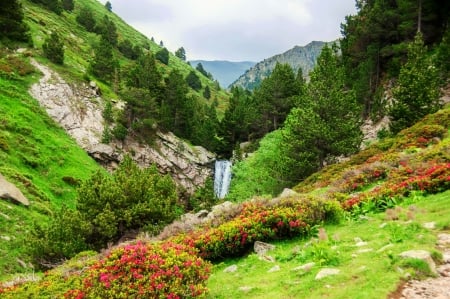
78,107
37,156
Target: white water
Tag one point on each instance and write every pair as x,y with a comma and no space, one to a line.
222,178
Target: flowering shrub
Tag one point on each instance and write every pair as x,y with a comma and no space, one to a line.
165,270
259,222
430,178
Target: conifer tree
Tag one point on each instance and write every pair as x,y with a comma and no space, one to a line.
181,53
163,56
53,48
103,63
11,22
325,125
416,93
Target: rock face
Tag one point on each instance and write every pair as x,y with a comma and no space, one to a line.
9,191
78,109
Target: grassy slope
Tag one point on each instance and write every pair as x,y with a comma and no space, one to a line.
78,44
370,274
35,154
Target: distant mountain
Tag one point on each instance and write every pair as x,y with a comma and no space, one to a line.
304,57
225,72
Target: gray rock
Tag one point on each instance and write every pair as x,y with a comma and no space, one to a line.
327,272
306,267
444,240
385,247
422,255
275,268
262,248
230,269
6,238
245,289
429,225
11,192
78,109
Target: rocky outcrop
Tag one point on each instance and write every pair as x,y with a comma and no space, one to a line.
78,109
9,191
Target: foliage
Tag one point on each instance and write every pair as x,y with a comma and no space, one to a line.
53,5
163,56
108,30
103,63
181,53
86,19
64,236
11,22
261,221
193,81
108,6
150,271
131,199
416,93
68,5
261,173
53,48
204,197
128,50
326,123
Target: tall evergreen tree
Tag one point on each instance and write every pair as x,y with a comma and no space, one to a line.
181,53
108,6
11,22
53,48
145,75
326,124
194,81
276,97
108,30
103,63
416,93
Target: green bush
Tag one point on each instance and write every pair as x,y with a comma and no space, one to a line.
130,199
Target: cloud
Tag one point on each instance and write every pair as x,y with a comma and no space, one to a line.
235,29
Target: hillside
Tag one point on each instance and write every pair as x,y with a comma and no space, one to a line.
226,72
303,57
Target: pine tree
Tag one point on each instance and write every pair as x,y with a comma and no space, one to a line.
194,81
103,63
11,22
86,19
325,125
181,53
53,48
108,6
145,75
416,93
163,56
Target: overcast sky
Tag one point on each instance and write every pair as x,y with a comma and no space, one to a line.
235,30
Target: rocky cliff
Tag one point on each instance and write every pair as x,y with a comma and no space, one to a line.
78,109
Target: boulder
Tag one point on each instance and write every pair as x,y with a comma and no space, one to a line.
421,255
11,192
262,248
231,269
327,272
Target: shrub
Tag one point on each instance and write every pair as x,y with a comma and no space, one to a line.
260,221
138,270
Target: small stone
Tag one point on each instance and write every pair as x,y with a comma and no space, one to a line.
6,238
444,239
326,272
385,247
267,258
382,225
274,269
365,250
21,263
245,289
429,225
5,216
231,269
306,267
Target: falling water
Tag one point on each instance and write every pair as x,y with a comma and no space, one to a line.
222,178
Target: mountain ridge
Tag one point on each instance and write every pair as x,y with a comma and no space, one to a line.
298,57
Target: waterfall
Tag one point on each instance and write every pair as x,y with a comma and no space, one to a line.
222,178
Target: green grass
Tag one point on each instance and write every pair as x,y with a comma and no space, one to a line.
371,274
38,157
